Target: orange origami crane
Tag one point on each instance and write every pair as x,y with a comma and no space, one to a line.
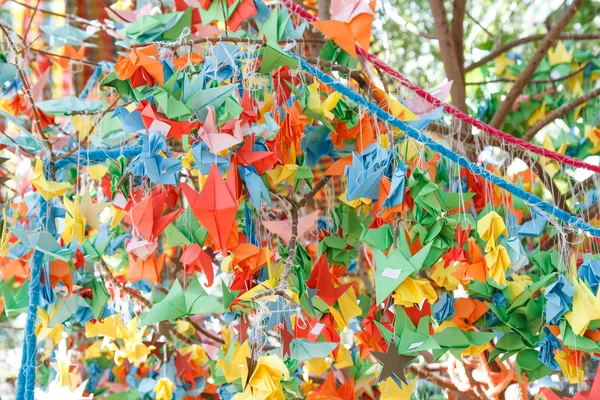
467,312
146,216
60,271
216,206
330,391
149,268
351,26
69,54
250,256
141,66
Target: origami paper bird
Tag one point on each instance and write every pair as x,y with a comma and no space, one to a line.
392,270
215,206
48,189
490,227
179,303
154,162
196,259
366,172
141,67
89,210
406,337
149,268
74,221
233,11
586,307
146,216
215,140
560,297
467,312
456,341
283,228
589,272
153,120
322,280
351,25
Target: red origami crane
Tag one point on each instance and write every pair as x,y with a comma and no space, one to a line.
196,259
216,206
146,216
322,279
151,118
260,160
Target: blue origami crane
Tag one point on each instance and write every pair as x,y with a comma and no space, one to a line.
396,195
534,227
589,271
547,347
130,121
559,298
154,163
220,62
205,159
256,187
443,309
316,144
366,171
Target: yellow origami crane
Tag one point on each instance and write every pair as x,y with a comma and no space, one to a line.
264,383
498,262
560,54
164,389
391,391
43,330
586,307
74,221
48,189
490,227
133,349
413,290
324,108
233,370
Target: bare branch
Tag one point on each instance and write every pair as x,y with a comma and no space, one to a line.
551,37
559,112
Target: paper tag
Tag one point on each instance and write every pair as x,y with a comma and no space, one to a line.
415,345
317,328
391,273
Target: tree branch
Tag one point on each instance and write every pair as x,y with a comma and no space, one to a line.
458,32
551,37
533,82
448,54
560,111
528,39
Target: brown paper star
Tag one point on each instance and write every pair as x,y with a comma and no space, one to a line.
392,363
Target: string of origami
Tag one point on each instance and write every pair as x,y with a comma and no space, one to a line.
497,133
533,200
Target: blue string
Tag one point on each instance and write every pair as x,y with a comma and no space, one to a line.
94,78
90,157
27,371
457,158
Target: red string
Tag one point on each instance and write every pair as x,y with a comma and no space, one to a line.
560,158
